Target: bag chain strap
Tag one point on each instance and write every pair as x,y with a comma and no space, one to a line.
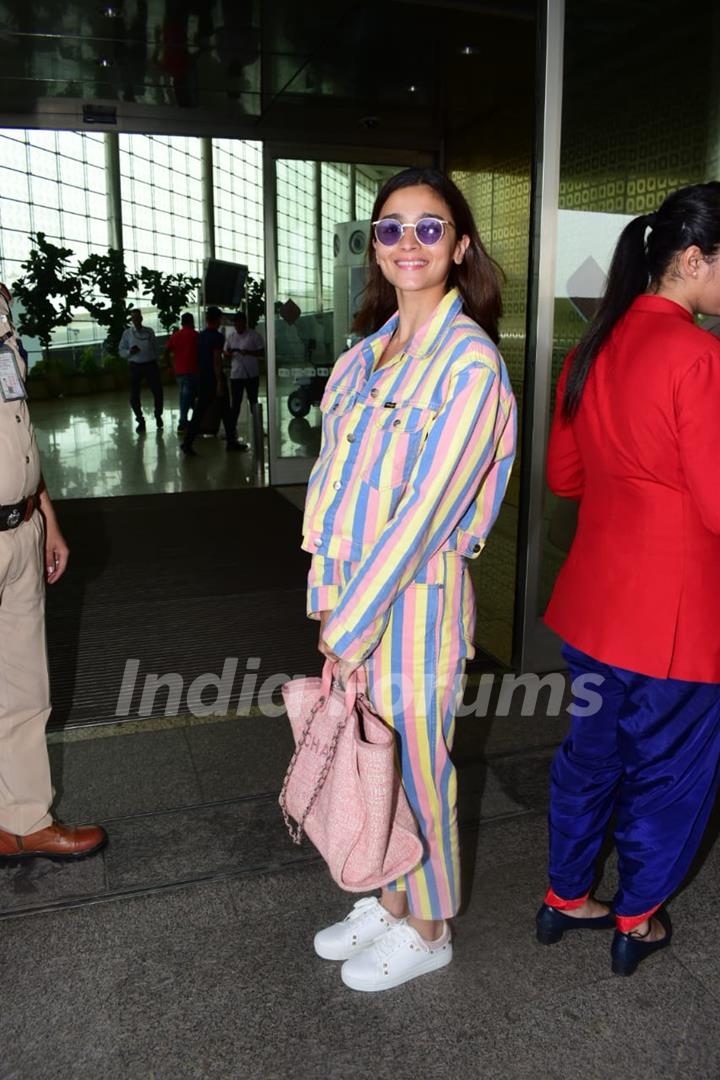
296,835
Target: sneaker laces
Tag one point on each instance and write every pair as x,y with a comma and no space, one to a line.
362,907
395,939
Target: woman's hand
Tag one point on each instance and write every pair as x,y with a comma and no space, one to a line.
345,668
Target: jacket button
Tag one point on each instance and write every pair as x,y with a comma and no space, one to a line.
27,460
351,437
318,541
374,393
18,419
337,485
476,547
396,423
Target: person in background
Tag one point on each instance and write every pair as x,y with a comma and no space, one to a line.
181,349
636,439
32,551
139,347
212,384
244,347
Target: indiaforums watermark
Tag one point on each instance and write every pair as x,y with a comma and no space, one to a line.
240,692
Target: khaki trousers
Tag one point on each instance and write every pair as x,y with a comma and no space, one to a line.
25,787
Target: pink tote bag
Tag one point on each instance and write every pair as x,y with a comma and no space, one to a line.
342,787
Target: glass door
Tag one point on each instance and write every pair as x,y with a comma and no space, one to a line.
606,157
317,221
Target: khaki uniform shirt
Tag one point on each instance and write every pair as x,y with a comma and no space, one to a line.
19,455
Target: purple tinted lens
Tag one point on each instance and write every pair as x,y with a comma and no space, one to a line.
429,230
388,232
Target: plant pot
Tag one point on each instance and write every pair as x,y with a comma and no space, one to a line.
55,384
80,384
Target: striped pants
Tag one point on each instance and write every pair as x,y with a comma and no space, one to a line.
415,684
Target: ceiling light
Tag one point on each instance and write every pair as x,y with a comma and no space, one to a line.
468,50
110,12
412,89
105,63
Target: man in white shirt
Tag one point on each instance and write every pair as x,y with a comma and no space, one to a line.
139,348
244,348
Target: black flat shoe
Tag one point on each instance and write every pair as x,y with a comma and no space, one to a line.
551,924
628,951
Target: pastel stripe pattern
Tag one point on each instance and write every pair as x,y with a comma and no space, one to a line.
415,461
414,681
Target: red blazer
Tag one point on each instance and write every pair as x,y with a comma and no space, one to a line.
640,588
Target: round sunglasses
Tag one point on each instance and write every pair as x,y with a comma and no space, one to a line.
428,230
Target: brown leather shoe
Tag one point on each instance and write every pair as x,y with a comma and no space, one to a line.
62,843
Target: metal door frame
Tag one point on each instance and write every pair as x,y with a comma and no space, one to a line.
296,470
536,647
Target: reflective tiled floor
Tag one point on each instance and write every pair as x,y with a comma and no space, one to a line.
90,449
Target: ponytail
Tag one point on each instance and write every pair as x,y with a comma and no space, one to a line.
690,216
628,278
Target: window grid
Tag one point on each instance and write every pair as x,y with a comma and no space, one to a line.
162,204
238,202
296,228
335,208
366,190
34,166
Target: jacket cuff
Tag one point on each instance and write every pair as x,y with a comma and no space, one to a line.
348,644
322,598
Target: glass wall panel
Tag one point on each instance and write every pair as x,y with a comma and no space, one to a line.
49,183
632,132
238,197
162,202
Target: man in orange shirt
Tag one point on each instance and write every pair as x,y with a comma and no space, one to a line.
182,350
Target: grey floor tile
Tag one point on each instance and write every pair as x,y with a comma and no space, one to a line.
192,843
525,778
42,882
112,777
481,793
659,1024
118,990
244,756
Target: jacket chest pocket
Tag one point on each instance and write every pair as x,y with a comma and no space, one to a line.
395,438
335,409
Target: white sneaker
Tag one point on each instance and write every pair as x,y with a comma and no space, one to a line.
367,921
395,958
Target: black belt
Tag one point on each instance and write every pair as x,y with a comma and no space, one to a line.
14,514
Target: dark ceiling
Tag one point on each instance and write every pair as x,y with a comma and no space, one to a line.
390,71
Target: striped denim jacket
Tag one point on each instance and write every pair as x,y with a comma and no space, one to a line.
414,462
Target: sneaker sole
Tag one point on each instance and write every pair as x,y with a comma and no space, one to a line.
435,962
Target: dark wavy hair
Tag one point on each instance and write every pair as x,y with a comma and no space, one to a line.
477,278
690,216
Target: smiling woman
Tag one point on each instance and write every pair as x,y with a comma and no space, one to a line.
418,443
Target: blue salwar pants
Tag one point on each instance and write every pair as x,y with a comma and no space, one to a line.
650,756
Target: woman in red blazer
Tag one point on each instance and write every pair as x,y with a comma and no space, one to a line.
636,439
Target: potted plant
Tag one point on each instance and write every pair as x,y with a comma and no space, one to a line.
84,379
116,370
48,291
105,287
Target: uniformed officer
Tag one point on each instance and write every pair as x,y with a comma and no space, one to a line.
32,550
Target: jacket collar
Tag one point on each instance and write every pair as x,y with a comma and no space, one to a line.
660,305
426,340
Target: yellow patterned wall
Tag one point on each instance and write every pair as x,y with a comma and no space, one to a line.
500,200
